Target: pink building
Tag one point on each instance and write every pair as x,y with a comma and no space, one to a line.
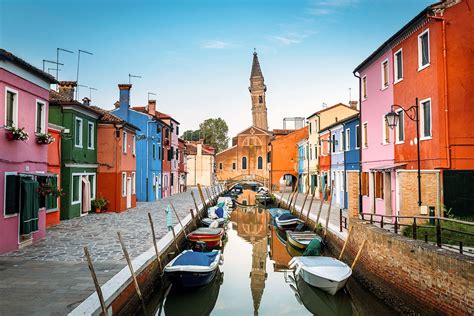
377,150
24,92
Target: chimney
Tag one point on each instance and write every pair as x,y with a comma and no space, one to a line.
116,104
124,101
86,101
67,88
354,104
151,108
199,149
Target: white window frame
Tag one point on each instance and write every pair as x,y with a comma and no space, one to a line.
134,181
340,142
397,140
90,136
78,133
134,144
395,66
420,52
7,173
51,210
124,142
364,88
73,202
124,184
365,126
422,118
43,116
347,140
384,131
382,86
355,145
15,106
93,186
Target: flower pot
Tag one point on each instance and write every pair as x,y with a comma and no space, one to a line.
97,210
10,136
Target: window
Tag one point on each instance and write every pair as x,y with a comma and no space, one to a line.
51,200
310,127
234,166
365,183
385,131
269,157
333,142
78,133
365,135
357,146
310,152
348,140
76,184
260,99
160,153
177,130
340,143
398,66
40,117
91,178
400,129
364,87
134,183
90,135
124,184
424,50
134,145
172,179
158,129
384,70
425,119
153,151
167,133
220,165
244,162
11,102
260,162
379,185
12,189
315,151
124,142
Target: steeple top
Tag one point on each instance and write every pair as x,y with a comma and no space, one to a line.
256,70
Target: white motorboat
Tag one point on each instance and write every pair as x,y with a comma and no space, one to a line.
325,273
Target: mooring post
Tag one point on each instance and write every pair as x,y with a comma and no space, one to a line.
129,263
414,228
304,203
340,220
201,194
329,211
345,243
309,208
295,200
358,254
179,220
96,282
321,206
175,240
195,204
154,242
438,233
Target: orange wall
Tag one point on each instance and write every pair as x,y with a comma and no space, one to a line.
54,166
284,151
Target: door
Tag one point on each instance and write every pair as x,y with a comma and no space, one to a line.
129,192
157,188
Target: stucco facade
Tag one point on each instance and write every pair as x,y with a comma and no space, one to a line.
200,164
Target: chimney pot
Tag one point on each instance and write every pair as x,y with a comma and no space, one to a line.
86,101
151,108
353,104
67,88
124,101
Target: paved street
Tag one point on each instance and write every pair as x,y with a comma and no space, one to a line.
52,274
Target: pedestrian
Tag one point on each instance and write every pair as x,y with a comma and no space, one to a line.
169,218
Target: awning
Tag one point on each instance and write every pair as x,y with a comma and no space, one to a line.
35,174
388,167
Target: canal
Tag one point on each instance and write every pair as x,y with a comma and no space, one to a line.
254,279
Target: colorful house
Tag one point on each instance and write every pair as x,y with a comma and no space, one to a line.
199,163
324,164
181,164
149,150
24,163
54,167
301,165
166,190
351,146
116,156
78,150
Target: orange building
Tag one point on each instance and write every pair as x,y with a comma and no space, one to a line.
284,157
116,156
54,167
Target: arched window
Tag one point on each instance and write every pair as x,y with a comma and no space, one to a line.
260,99
260,162
244,162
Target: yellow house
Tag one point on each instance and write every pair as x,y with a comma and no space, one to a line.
200,163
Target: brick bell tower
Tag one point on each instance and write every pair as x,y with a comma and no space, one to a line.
257,91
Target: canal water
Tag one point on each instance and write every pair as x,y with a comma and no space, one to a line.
254,279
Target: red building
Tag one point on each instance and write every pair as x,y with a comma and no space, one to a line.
54,167
324,162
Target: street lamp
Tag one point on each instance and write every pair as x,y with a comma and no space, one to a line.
412,113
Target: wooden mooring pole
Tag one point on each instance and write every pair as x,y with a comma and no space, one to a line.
304,203
129,263
309,209
345,243
195,204
96,282
154,242
175,240
201,194
358,254
179,220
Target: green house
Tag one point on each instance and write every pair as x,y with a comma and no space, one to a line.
78,149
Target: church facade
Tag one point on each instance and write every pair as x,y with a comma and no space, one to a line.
249,154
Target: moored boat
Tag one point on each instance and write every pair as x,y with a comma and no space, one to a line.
208,221
211,236
301,240
288,222
192,269
276,212
325,273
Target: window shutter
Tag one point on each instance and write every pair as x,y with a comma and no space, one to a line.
11,194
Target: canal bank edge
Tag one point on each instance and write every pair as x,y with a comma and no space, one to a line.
119,292
410,275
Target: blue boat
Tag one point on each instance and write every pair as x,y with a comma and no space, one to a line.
193,269
277,212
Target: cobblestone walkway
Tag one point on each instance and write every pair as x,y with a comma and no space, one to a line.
51,277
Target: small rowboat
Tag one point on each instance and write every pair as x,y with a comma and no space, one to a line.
326,273
207,221
191,269
276,212
301,240
288,222
211,236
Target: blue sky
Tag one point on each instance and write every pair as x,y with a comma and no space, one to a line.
196,54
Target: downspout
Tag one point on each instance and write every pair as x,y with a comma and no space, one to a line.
318,170
360,145
147,157
344,164
117,196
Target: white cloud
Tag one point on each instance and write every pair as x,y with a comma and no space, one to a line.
216,44
290,38
325,7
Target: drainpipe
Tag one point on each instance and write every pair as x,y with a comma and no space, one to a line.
117,196
319,167
147,157
445,75
344,164
360,145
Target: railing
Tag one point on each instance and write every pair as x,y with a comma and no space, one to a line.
343,220
426,228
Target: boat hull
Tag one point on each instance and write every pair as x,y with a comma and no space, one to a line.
191,279
321,283
300,241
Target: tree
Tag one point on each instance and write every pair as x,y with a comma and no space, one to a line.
191,135
214,132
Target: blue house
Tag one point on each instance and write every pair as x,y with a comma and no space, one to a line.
148,147
352,148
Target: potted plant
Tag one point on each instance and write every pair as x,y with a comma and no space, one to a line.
44,139
99,204
14,133
45,189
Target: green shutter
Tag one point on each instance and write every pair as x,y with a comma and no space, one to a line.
12,187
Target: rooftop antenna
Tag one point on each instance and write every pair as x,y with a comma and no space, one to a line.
90,92
57,58
51,62
78,61
53,69
350,95
324,105
150,93
80,85
130,76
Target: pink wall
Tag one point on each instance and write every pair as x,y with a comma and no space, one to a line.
18,156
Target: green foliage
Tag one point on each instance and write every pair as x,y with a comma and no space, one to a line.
191,135
100,203
447,236
212,131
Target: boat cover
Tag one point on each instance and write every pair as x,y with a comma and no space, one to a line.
314,248
286,217
191,258
207,231
324,267
276,212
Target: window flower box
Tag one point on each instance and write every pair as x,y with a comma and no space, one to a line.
44,139
16,133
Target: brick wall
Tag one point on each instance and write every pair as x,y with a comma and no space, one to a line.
431,280
353,194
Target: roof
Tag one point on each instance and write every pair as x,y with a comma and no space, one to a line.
256,70
158,115
110,118
6,55
330,108
282,131
191,148
63,99
346,119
